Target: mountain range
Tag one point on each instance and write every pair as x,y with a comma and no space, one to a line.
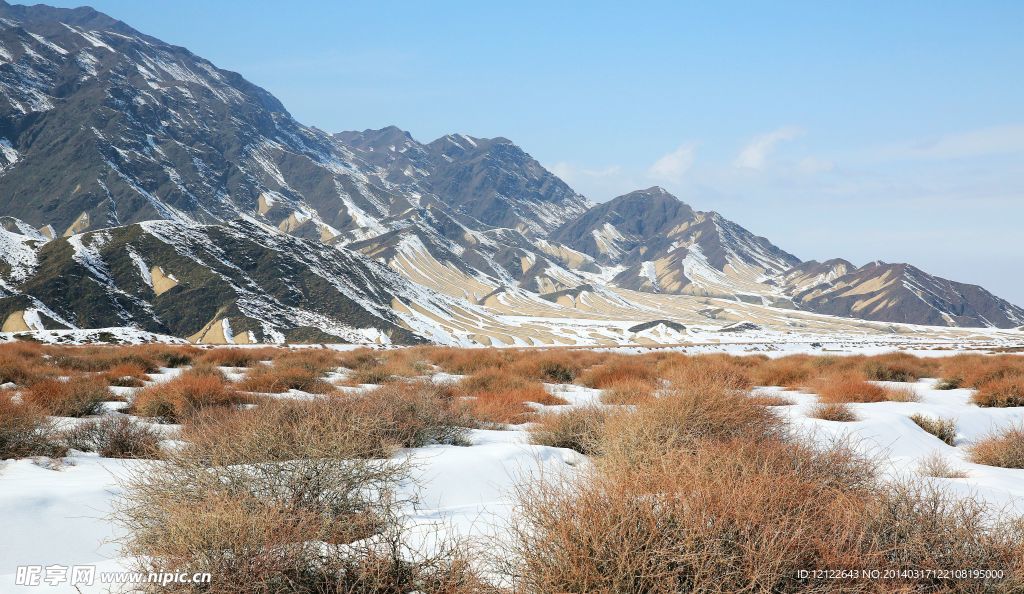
142,186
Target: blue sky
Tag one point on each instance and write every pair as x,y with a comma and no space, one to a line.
866,130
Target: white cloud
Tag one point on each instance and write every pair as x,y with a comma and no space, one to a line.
673,166
756,152
995,140
573,174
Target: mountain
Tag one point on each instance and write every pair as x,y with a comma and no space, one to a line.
490,180
904,293
666,246
142,186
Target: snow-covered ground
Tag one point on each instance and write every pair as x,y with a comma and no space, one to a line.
61,514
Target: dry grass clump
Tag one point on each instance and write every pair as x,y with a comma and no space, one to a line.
418,413
944,429
577,429
175,400
974,371
93,359
238,357
833,411
498,396
1004,449
745,516
901,394
898,367
770,400
687,522
786,372
77,397
467,361
1002,392
289,373
618,370
841,388
551,366
22,363
628,391
711,372
26,431
126,375
290,496
935,465
114,437
683,417
374,367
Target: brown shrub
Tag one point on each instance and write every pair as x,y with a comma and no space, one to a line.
290,496
1004,449
898,367
278,378
418,413
94,359
1002,392
935,465
498,396
186,394
618,370
552,366
770,400
689,523
901,394
711,372
22,363
833,411
114,437
78,397
467,361
628,391
973,371
577,429
944,429
238,357
786,372
126,375
680,419
26,431
847,388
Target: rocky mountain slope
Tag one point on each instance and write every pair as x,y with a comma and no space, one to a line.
142,186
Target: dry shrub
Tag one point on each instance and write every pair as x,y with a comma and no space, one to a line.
238,357
278,378
170,356
291,496
711,372
683,417
114,437
688,522
78,397
944,429
126,375
628,391
833,411
418,413
467,361
373,367
770,400
617,370
94,359
552,366
936,465
973,371
22,363
577,429
1002,392
786,372
498,396
847,388
26,431
898,367
1004,449
901,394
744,516
176,399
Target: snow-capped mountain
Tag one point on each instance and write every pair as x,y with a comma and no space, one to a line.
142,186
